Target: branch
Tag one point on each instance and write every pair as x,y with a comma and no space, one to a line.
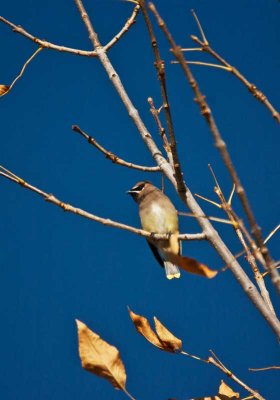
186,197
155,114
85,53
250,86
218,364
108,154
238,227
159,64
206,226
264,368
104,221
5,89
221,145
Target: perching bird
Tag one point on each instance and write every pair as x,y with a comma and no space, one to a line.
158,215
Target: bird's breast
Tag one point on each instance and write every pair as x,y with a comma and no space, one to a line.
156,218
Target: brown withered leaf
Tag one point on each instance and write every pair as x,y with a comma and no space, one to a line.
4,89
99,357
162,338
225,393
193,266
143,326
166,337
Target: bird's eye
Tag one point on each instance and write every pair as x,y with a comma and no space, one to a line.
139,187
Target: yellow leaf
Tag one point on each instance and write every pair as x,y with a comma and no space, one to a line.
4,89
162,338
143,326
100,358
167,338
193,266
225,392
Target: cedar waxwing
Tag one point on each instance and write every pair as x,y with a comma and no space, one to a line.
158,215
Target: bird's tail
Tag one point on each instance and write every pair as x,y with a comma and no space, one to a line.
171,270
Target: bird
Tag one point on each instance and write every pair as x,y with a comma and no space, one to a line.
158,215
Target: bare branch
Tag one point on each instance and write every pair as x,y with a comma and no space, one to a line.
166,145
264,368
250,86
218,364
104,221
108,154
207,227
221,145
131,20
260,96
204,64
238,227
48,45
9,87
159,64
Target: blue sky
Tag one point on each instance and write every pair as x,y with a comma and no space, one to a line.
56,267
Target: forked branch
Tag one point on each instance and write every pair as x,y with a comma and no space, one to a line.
48,45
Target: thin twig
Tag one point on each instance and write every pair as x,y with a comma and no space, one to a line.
265,368
9,87
236,224
166,145
260,96
48,45
204,64
221,145
271,233
206,225
111,156
209,217
159,64
218,364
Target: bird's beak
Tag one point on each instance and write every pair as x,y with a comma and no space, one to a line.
129,192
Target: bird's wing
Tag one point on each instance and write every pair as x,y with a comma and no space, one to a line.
156,254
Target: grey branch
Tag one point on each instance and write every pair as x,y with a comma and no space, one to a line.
111,156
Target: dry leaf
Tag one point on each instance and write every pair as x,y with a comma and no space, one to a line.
225,393
162,338
143,326
191,265
99,357
166,337
4,89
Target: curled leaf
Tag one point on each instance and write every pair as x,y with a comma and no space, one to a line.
166,337
100,358
143,326
4,89
193,266
161,337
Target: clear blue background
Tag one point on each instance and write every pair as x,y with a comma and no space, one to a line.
56,266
